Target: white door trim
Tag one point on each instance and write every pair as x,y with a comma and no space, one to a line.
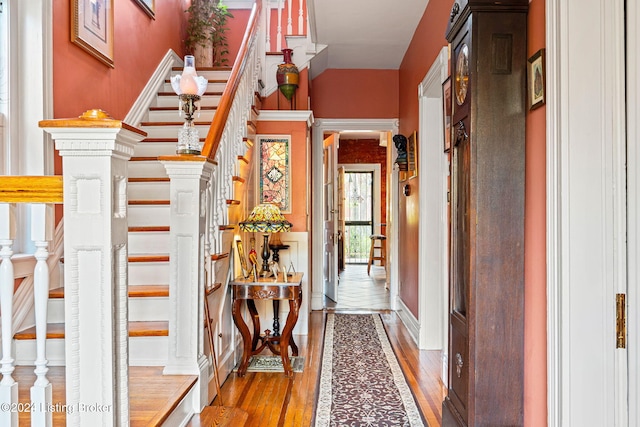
320,127
633,198
586,252
433,239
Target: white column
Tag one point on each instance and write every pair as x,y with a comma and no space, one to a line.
8,386
95,150
42,234
188,195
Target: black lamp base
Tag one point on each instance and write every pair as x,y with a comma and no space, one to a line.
265,256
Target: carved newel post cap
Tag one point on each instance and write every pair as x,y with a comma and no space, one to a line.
95,114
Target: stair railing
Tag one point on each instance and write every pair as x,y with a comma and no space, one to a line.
41,192
200,189
284,12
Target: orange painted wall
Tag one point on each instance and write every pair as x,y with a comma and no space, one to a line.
300,195
139,44
299,101
535,294
355,94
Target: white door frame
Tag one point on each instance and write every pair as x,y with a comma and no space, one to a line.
586,212
633,203
433,241
320,127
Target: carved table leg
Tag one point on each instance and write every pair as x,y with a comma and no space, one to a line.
292,318
246,336
255,318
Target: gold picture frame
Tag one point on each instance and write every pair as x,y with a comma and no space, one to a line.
149,7
92,28
536,80
412,155
243,260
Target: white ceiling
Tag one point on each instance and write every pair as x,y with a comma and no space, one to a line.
363,34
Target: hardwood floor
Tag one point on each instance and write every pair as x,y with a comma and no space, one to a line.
271,399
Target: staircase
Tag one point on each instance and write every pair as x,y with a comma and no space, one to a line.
149,241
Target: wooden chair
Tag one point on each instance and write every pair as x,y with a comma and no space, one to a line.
382,248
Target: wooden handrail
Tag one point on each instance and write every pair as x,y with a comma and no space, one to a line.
212,142
31,189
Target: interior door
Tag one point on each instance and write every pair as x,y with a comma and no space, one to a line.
330,223
341,220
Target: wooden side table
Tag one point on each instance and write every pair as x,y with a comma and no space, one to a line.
267,289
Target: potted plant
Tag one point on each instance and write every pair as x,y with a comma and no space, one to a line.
206,27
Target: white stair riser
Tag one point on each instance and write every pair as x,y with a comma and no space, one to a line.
173,115
55,310
148,215
156,242
148,191
148,273
147,169
140,309
148,351
148,309
155,149
26,352
143,351
210,74
174,101
212,86
172,131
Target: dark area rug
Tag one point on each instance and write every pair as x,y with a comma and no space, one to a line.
361,382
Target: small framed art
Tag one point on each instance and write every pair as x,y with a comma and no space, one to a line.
536,80
149,7
92,28
447,112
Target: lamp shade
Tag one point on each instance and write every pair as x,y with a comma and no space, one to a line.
265,218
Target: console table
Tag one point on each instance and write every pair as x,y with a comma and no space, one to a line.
267,289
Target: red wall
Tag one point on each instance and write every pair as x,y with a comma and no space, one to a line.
535,292
81,82
355,94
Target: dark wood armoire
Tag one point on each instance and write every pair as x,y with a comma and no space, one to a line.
486,283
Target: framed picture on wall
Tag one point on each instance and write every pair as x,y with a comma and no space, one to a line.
447,112
92,28
149,6
275,170
412,155
536,80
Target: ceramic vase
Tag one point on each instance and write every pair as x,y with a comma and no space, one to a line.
287,75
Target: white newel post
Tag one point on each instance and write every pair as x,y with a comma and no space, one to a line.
95,150
188,231
8,386
41,234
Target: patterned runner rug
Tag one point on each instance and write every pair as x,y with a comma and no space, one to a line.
361,383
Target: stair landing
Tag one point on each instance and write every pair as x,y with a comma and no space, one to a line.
153,396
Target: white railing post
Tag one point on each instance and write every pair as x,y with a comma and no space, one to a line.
289,18
301,25
41,234
95,150
188,231
8,386
267,14
279,28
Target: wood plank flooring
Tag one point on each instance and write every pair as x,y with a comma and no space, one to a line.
273,400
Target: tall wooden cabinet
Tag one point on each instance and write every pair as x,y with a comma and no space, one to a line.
486,285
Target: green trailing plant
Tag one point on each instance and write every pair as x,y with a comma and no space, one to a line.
207,26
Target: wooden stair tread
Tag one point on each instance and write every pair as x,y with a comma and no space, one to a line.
135,291
149,202
149,228
216,257
136,329
236,178
150,179
226,227
149,258
178,124
144,159
219,416
233,202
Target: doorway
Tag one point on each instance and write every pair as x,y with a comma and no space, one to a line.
322,128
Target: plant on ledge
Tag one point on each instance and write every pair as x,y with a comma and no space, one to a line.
206,27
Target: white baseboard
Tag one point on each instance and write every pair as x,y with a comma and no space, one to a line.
409,320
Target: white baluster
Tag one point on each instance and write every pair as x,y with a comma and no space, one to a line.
267,12
8,386
289,19
279,28
42,234
301,18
